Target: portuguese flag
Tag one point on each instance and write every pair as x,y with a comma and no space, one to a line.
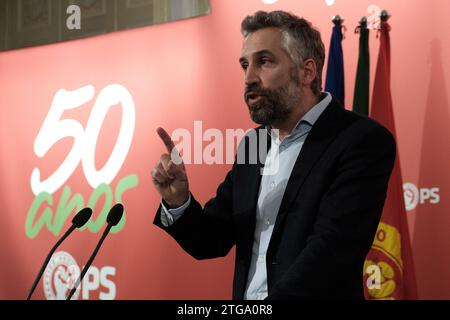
390,257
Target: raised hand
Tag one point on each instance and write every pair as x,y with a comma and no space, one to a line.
169,174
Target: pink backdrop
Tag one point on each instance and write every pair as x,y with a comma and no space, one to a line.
180,72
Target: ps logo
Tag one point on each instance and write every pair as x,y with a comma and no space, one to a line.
415,196
74,20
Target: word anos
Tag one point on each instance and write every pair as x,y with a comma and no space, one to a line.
53,216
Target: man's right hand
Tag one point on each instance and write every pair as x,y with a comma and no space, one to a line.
170,178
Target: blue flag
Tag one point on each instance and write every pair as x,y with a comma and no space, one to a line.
334,82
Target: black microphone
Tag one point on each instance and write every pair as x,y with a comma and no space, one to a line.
78,221
113,218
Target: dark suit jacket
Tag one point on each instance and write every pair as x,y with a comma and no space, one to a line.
327,219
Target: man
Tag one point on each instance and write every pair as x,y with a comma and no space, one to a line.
303,231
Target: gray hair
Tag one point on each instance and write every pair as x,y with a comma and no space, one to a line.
299,38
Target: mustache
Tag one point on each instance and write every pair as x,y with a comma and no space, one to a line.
255,89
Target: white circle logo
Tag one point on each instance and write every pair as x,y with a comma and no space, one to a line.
60,276
411,195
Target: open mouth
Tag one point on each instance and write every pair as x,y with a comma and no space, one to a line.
252,98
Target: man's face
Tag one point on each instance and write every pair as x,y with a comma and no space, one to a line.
271,78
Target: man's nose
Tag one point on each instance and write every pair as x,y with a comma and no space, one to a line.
251,76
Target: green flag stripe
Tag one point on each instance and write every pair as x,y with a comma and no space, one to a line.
361,94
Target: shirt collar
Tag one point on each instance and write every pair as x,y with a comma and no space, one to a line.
314,113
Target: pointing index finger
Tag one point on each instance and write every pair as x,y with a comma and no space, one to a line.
166,139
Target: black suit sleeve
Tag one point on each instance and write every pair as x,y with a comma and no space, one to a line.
209,232
346,223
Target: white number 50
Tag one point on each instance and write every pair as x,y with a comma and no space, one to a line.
84,141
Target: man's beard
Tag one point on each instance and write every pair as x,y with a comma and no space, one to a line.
274,106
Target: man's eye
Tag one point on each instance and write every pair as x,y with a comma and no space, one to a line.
265,60
244,66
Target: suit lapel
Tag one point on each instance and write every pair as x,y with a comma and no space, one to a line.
320,136
250,172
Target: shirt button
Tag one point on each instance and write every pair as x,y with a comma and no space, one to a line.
272,184
266,221
260,259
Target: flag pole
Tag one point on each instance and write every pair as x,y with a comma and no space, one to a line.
384,15
337,20
362,24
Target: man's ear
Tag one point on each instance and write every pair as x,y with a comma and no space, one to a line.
309,72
